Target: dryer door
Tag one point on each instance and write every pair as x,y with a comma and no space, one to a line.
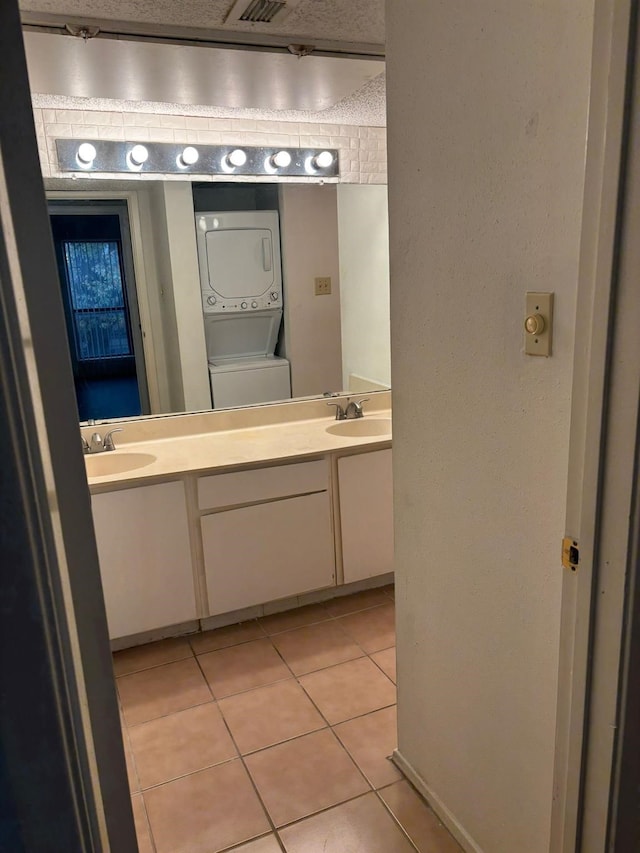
240,262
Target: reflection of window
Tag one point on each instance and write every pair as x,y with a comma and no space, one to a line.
96,295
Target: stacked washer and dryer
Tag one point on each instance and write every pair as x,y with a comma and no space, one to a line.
241,284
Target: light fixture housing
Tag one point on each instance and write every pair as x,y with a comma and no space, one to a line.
86,154
163,158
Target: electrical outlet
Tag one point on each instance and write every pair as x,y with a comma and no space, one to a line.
323,285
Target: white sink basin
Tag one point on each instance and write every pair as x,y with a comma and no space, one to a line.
116,462
361,427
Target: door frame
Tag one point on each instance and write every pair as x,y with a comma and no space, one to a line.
119,208
63,775
602,445
130,198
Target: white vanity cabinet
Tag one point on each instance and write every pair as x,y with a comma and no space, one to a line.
366,514
267,534
145,557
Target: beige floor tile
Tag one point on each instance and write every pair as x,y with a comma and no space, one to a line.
270,715
289,619
370,740
132,774
180,743
386,660
152,654
221,638
358,601
143,833
302,776
360,826
349,690
373,629
418,821
205,812
162,690
244,667
315,647
268,844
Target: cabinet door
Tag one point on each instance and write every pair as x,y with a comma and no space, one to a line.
145,558
366,514
272,550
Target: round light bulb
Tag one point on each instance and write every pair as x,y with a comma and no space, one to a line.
323,160
139,155
237,157
86,153
190,155
281,159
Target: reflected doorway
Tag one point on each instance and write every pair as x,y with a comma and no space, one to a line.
93,251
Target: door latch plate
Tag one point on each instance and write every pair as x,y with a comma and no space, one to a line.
570,553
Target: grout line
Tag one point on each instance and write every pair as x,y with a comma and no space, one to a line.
241,844
251,779
393,817
379,667
325,809
153,665
146,817
191,773
329,618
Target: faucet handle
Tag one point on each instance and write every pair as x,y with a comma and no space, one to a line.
340,412
85,444
357,406
108,439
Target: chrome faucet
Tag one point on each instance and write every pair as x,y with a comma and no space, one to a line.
340,412
352,410
97,444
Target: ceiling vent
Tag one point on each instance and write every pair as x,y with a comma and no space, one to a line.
260,11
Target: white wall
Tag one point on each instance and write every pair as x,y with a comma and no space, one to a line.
487,105
309,236
179,281
363,235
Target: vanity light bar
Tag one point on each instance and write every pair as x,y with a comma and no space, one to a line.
102,155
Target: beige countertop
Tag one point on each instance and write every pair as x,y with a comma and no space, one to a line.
230,448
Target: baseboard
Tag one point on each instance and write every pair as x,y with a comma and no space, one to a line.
221,620
448,819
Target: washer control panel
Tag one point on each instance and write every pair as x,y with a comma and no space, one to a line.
215,302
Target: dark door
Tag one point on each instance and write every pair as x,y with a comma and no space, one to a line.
93,252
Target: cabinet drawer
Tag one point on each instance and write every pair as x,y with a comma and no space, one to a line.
262,484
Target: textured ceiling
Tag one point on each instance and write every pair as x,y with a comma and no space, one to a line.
340,21
331,20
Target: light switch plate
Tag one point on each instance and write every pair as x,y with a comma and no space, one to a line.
539,306
323,285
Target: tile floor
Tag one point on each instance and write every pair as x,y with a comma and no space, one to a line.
272,736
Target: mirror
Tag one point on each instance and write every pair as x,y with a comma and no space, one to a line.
336,341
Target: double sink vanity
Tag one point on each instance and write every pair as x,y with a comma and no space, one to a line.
207,519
